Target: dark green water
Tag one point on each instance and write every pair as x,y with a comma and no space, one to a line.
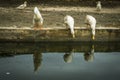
81,62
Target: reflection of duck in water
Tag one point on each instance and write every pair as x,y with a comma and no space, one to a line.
37,57
89,56
68,56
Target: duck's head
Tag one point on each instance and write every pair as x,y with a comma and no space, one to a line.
25,2
98,2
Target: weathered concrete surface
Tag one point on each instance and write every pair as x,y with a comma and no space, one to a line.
27,34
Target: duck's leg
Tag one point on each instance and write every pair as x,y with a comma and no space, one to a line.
93,37
38,26
72,33
93,34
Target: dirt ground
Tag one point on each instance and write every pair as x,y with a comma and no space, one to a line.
54,15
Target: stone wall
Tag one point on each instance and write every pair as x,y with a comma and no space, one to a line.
51,0
58,34
63,2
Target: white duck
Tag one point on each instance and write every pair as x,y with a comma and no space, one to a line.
37,19
22,6
91,21
69,21
98,6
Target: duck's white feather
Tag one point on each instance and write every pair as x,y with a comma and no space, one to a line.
37,16
90,20
69,21
98,6
22,6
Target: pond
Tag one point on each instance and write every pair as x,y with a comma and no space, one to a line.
59,61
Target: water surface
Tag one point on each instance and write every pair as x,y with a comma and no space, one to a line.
68,65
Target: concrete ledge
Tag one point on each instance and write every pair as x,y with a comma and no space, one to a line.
31,48
27,34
